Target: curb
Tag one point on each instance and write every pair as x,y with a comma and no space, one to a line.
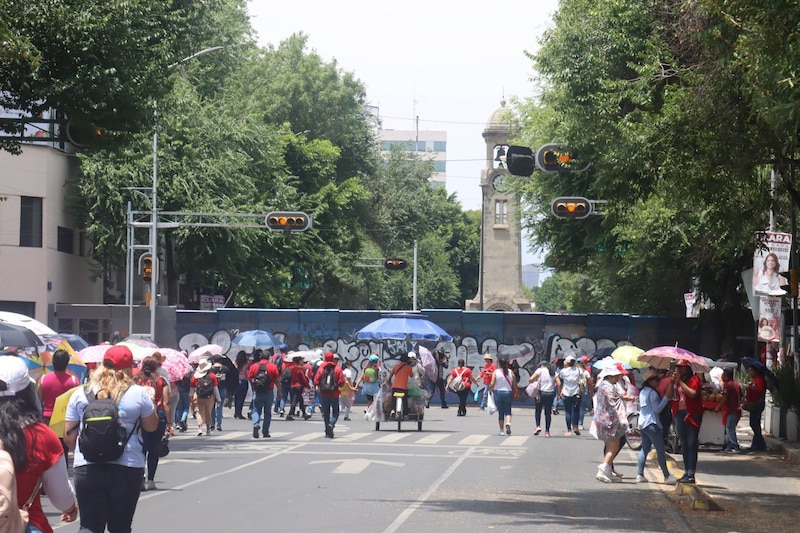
790,453
699,500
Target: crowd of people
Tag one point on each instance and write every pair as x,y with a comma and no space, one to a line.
148,408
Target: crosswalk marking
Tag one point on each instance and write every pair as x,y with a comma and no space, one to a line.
349,437
433,438
472,440
392,437
218,435
308,437
514,441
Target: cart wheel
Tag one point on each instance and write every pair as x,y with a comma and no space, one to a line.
399,423
419,425
377,426
634,437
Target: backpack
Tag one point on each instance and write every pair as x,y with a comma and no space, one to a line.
154,387
457,384
327,382
286,376
103,437
205,386
221,372
582,383
261,380
370,374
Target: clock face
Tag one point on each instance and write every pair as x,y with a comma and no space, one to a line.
499,183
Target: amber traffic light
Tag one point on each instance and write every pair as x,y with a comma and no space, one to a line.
554,158
288,221
395,264
147,268
571,207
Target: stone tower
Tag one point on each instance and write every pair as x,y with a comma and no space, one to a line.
500,279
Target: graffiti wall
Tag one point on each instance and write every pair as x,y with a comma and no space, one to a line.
523,338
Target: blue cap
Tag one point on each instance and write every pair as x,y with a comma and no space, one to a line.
284,347
373,358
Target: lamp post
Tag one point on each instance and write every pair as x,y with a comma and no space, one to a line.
154,202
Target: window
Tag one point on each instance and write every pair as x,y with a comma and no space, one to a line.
30,222
439,146
66,240
501,212
440,166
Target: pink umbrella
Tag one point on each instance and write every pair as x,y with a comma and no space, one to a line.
204,352
175,363
94,354
661,356
138,342
428,362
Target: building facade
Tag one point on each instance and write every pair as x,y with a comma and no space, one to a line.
428,144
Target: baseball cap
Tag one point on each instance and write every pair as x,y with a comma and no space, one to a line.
328,356
373,358
283,347
569,358
120,357
683,362
412,355
13,375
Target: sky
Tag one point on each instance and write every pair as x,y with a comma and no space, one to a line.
448,62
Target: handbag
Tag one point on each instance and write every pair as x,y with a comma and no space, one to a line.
691,421
163,450
491,407
532,390
748,406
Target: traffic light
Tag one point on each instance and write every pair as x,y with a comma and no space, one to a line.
571,207
147,268
519,160
395,264
553,158
288,221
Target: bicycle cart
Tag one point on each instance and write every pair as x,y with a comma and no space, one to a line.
403,409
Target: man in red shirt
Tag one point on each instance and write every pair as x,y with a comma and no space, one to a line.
486,374
263,393
328,379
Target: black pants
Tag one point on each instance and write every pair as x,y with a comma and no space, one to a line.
462,400
297,399
107,496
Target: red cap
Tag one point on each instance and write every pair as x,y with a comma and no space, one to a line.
328,356
120,357
621,368
683,362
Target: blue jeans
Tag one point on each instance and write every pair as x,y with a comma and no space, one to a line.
107,495
216,414
238,399
690,441
262,405
484,396
731,441
758,443
330,410
586,405
652,437
545,404
571,406
182,408
502,399
151,444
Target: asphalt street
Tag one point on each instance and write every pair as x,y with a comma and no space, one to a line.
456,474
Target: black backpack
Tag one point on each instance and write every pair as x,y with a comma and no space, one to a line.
327,382
286,376
205,387
103,437
261,380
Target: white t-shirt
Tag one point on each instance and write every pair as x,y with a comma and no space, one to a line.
136,403
500,381
547,383
569,380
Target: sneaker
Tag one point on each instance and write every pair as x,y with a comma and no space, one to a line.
736,450
577,432
546,433
267,436
670,480
601,476
210,429
580,427
686,478
346,418
219,428
641,479
255,432
199,433
508,429
568,433
289,417
537,430
151,485
481,409
329,431
502,433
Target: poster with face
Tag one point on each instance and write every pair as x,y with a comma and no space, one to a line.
769,319
770,259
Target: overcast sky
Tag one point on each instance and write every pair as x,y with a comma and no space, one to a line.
448,62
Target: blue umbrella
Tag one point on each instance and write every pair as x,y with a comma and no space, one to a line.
772,380
256,338
403,327
610,361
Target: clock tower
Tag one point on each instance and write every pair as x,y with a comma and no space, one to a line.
500,278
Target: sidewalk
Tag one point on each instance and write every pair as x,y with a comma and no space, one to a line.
741,492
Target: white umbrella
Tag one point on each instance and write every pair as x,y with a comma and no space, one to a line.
32,324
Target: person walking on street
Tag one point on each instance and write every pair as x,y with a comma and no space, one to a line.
328,379
298,383
158,389
242,369
486,376
369,380
547,393
609,422
731,407
347,392
442,362
204,390
460,381
754,396
651,403
687,408
569,391
263,374
504,388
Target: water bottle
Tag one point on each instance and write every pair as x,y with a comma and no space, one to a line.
123,424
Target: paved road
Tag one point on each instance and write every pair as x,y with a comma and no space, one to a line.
455,475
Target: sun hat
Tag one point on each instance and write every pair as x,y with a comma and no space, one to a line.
487,356
287,358
650,374
13,375
203,368
611,370
373,358
296,356
120,357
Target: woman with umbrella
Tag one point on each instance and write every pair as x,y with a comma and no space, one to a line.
609,424
754,397
688,414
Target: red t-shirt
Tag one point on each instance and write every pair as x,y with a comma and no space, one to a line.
299,378
53,385
272,372
487,372
43,449
694,406
733,399
401,372
756,389
154,384
338,376
466,376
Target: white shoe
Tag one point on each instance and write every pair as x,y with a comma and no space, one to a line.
670,480
641,479
502,433
151,485
601,476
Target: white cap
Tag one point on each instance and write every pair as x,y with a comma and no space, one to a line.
412,355
13,375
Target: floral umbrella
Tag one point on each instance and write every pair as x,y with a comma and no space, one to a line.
175,362
662,356
94,354
204,352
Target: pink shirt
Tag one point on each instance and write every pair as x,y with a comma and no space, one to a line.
53,385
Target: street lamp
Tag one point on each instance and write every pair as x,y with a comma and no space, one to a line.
154,202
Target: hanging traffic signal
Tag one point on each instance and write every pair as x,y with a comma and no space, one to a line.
395,264
147,268
571,207
553,158
519,160
288,221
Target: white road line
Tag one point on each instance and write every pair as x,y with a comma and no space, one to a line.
392,437
230,435
514,441
308,437
349,437
433,438
405,515
472,440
